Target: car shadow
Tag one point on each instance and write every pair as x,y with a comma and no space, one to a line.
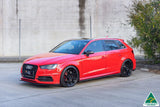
35,85
99,78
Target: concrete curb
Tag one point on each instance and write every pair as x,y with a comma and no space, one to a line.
21,59
13,59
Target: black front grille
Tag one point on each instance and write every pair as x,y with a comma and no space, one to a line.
29,71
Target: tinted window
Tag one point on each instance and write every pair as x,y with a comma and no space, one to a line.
70,47
110,45
120,44
95,46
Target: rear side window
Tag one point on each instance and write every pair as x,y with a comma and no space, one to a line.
110,45
95,46
121,45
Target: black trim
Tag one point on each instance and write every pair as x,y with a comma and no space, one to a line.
45,78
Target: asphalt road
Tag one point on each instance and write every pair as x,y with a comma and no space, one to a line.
111,91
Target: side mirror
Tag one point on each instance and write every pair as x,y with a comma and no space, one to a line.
88,52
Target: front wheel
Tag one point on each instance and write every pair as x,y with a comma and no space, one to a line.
126,68
69,76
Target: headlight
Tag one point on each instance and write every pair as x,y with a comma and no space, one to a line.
52,66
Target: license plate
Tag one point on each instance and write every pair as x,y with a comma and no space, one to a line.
30,73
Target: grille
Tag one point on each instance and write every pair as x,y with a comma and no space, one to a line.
29,71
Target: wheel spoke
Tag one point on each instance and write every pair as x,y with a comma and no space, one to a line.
65,78
126,69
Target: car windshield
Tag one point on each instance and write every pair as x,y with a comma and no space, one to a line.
70,46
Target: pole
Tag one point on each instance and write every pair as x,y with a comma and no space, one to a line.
19,39
90,27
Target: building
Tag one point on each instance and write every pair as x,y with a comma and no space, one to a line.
29,27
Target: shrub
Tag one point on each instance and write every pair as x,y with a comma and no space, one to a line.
144,16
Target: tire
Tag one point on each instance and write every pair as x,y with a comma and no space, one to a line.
69,76
126,68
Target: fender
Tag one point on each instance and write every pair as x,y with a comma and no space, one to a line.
72,63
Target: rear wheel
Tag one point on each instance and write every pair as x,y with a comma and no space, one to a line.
69,76
126,68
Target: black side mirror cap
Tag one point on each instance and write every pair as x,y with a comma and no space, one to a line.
88,52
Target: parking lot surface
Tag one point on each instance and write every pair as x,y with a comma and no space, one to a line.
112,91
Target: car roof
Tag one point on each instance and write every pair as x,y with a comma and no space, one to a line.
107,39
94,39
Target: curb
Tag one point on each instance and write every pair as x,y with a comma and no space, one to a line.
21,59
13,59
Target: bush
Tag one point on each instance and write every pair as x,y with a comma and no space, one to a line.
145,17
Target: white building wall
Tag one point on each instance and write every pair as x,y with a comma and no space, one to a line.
110,18
45,23
1,28
9,28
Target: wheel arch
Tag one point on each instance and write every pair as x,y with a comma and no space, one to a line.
71,65
127,60
126,68
124,60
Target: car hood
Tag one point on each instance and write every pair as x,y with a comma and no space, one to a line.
49,58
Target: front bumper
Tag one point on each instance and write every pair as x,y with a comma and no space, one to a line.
55,79
43,76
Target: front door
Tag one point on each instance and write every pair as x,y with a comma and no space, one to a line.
94,64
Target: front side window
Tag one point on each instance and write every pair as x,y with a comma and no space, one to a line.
95,46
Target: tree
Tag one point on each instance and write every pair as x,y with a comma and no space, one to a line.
144,16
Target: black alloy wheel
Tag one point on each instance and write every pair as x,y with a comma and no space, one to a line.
69,76
126,68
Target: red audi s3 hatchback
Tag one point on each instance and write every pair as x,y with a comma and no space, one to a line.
80,59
